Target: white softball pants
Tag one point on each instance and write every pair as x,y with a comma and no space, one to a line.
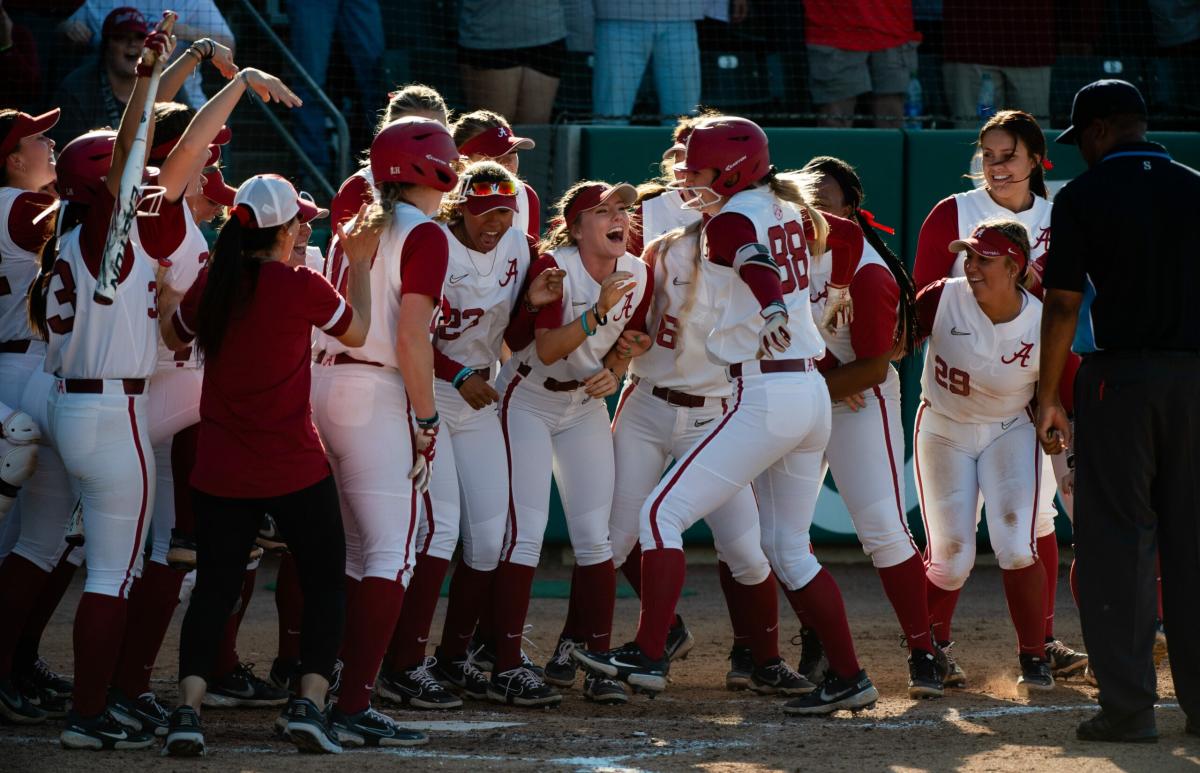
174,406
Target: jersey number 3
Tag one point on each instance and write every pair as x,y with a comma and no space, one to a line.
789,250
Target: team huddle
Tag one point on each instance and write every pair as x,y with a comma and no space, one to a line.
421,383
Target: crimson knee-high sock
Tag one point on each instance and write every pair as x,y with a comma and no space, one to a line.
663,571
152,602
730,588
510,603
469,591
820,604
21,582
632,569
369,625
352,586
1026,594
1047,548
904,585
759,612
183,459
99,629
44,607
941,609
597,596
1074,583
227,658
416,614
289,607
570,628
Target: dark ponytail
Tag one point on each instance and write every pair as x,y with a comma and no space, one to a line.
852,192
232,261
68,216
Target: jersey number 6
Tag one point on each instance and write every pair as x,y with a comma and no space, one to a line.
789,250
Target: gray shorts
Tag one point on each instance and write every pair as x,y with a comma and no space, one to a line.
835,74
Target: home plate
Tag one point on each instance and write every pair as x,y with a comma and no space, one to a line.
455,727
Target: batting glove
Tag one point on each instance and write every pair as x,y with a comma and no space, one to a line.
424,445
774,336
837,307
158,43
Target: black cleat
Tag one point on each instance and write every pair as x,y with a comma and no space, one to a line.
628,664
924,675
143,713
1064,661
741,666
16,707
1035,675
603,690
417,687
308,727
522,687
777,678
461,674
284,671
679,641
813,664
484,657
372,728
185,738
561,669
243,688
836,694
954,675
101,732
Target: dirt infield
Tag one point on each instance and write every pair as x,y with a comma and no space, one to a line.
696,724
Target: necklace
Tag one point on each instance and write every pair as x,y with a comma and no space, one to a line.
461,233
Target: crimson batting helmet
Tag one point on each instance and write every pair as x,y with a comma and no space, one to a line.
415,150
83,164
735,147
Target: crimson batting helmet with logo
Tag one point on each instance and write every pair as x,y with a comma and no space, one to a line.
415,150
735,147
83,164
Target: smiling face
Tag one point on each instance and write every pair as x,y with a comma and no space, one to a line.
33,162
484,231
1007,164
829,197
602,230
992,280
122,52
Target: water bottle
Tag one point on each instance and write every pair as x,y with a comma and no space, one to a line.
914,103
986,107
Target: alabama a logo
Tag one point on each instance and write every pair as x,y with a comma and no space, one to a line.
1023,354
510,273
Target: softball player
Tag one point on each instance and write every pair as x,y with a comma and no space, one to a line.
755,263
484,135
660,207
866,448
975,434
552,413
367,398
1012,149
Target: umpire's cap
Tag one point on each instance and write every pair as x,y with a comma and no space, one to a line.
1101,99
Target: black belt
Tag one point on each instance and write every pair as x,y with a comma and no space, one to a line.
774,366
550,384
95,386
346,359
19,346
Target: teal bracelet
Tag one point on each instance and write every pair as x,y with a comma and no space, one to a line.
583,321
462,376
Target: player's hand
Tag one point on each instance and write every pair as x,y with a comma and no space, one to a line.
602,384
1066,485
546,288
477,392
424,443
614,287
774,336
838,308
360,244
855,402
632,343
76,32
222,59
1053,427
156,48
268,87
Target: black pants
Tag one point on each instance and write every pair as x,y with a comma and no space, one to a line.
1137,494
310,521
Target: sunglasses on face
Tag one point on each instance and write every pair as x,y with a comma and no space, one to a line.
479,188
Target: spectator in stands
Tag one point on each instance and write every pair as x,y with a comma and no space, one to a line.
628,34
197,19
20,76
358,26
1176,26
856,48
511,62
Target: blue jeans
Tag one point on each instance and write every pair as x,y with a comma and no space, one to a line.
622,51
359,26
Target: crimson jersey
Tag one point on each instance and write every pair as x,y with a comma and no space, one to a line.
356,190
976,371
21,242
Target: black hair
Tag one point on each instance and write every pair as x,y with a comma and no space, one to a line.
69,215
1022,127
232,279
171,120
851,185
8,117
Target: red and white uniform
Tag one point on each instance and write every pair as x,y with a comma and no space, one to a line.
776,428
34,527
866,447
975,431
528,217
478,299
101,356
664,213
549,421
361,406
674,397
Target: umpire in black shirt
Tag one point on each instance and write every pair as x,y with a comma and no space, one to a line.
1124,252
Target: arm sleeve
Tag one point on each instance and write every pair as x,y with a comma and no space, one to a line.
844,245
519,332
355,192
184,319
731,233
162,234
875,295
933,261
94,231
535,213
24,232
444,367
927,306
324,307
423,260
549,316
1068,247
638,320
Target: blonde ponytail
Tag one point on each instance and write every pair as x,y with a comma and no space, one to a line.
799,188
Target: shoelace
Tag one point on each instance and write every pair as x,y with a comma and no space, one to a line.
150,700
42,669
423,677
562,655
380,717
188,719
469,669
523,676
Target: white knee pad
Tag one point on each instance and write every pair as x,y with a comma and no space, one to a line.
746,560
792,559
18,456
589,537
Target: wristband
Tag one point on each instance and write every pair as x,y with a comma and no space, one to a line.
462,376
601,319
583,321
429,423
530,307
773,308
196,52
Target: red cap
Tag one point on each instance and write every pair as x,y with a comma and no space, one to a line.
595,194
495,142
124,19
991,243
308,208
217,190
481,205
26,125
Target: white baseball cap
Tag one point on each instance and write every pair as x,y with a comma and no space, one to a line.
273,201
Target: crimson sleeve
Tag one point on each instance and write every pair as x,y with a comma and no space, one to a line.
324,307
26,234
94,232
355,192
184,319
927,306
725,234
845,247
934,260
875,295
162,234
423,260
638,320
519,332
535,212
444,367
549,316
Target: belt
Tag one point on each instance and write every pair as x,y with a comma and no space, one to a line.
758,367
343,359
550,384
103,386
677,398
19,346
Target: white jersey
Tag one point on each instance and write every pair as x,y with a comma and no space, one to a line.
580,291
779,227
95,341
677,359
18,268
976,206
978,372
524,209
664,213
478,298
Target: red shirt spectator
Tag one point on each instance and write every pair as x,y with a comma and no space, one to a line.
859,25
